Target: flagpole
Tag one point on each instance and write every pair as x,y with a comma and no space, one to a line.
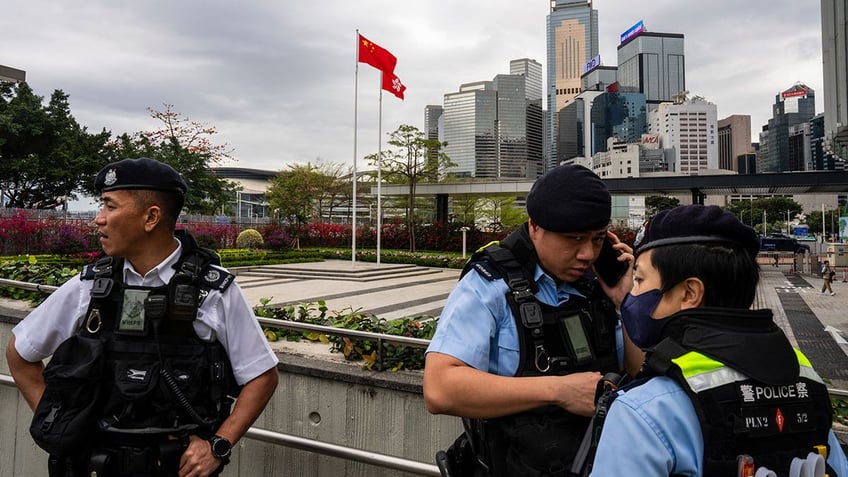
379,168
355,116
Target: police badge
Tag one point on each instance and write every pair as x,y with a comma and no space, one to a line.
111,177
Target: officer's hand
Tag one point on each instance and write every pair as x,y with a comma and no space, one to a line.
578,392
197,460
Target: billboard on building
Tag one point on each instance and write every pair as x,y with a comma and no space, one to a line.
639,27
650,141
793,94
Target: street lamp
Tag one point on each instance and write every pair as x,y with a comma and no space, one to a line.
464,231
787,223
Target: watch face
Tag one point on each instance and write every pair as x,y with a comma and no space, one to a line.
220,447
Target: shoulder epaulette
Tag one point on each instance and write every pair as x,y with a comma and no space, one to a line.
216,278
487,270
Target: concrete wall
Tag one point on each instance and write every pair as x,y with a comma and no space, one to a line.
317,398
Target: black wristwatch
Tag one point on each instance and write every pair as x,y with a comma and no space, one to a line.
221,448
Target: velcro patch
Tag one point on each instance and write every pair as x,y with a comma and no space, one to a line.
217,278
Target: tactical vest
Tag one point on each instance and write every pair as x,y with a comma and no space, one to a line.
773,423
161,379
577,336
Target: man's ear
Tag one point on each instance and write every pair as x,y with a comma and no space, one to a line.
152,217
693,293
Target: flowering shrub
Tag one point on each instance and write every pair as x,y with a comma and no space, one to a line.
214,236
24,232
321,234
276,237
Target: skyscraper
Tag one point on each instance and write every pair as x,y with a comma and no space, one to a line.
652,64
794,106
494,128
469,125
572,40
835,68
689,128
734,140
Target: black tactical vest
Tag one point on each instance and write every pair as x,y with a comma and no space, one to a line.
576,336
773,407
160,379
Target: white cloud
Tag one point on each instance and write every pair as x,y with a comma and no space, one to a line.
277,78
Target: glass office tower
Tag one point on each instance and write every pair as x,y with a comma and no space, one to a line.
572,40
835,67
494,128
469,125
794,106
652,64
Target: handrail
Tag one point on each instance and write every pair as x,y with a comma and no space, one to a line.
325,448
27,286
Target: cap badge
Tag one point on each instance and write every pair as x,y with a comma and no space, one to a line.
111,177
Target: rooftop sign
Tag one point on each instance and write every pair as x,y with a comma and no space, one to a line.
639,27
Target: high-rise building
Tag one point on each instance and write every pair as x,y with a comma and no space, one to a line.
796,105
433,121
493,129
592,117
652,64
690,129
835,68
469,126
572,40
532,72
800,157
734,140
433,131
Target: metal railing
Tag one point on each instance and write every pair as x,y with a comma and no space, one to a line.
311,445
325,448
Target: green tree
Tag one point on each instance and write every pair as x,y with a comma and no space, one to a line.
500,214
411,159
294,194
657,203
775,209
44,153
187,147
334,187
465,207
832,225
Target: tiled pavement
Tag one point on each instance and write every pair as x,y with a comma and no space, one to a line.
817,323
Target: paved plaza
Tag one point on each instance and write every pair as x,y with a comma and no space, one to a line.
816,323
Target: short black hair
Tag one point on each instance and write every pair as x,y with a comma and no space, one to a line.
170,203
729,273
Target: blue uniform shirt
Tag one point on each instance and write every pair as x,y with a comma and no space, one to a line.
653,430
477,326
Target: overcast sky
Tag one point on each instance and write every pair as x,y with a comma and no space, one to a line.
276,78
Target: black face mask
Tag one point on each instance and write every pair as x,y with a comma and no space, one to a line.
636,312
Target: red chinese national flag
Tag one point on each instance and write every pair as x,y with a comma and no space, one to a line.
392,84
376,56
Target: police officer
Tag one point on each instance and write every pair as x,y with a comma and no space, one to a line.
178,336
722,392
527,331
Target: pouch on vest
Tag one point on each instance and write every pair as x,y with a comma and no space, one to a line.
65,418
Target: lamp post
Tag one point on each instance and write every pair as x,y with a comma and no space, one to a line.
464,231
787,223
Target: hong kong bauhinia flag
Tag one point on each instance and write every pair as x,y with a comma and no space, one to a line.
376,56
392,84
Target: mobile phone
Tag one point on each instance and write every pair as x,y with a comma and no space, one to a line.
607,266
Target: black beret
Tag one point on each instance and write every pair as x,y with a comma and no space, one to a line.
569,198
141,173
688,224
